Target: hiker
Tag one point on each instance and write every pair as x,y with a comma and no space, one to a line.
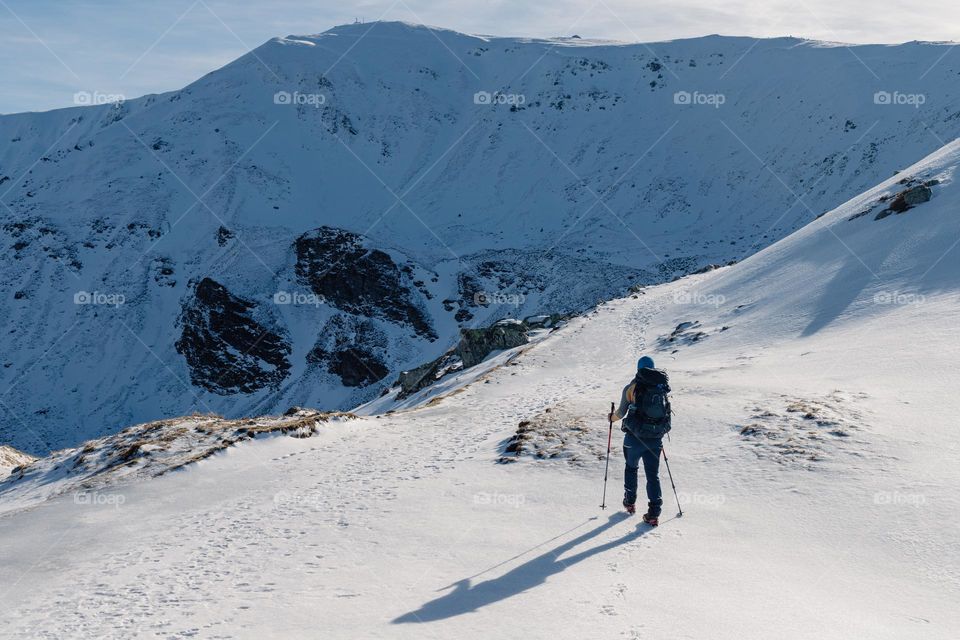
645,411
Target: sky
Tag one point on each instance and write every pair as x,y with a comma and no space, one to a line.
51,51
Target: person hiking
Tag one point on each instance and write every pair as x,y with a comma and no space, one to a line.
645,411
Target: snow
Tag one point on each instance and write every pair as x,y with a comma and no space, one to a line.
597,182
404,525
10,459
143,451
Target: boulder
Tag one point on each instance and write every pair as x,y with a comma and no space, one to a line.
473,348
909,198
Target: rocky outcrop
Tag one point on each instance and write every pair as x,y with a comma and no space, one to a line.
686,333
346,348
337,265
474,346
143,451
12,460
907,199
910,198
228,350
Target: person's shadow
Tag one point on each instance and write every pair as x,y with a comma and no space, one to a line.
466,597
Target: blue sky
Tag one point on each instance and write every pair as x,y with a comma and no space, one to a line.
52,50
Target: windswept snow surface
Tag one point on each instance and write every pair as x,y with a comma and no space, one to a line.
815,450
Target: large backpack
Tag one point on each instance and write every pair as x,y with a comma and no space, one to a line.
649,413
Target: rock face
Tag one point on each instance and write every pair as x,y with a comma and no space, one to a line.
337,265
346,348
226,348
474,346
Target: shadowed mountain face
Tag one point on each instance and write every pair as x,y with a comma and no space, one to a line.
302,225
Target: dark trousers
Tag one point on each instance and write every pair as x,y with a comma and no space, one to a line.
647,451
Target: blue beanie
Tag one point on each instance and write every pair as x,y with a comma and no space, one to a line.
646,362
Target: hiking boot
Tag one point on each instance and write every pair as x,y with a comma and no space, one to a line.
652,516
629,506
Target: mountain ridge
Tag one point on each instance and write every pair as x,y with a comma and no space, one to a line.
612,167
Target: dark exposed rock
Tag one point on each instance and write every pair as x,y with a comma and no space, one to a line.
350,276
685,333
912,197
907,199
708,268
477,344
163,272
223,235
474,346
227,350
357,367
470,290
346,347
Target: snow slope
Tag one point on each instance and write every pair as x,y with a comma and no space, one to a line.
814,447
203,223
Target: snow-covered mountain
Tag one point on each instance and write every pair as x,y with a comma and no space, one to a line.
814,450
298,227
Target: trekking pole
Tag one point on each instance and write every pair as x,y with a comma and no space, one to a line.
680,514
603,503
